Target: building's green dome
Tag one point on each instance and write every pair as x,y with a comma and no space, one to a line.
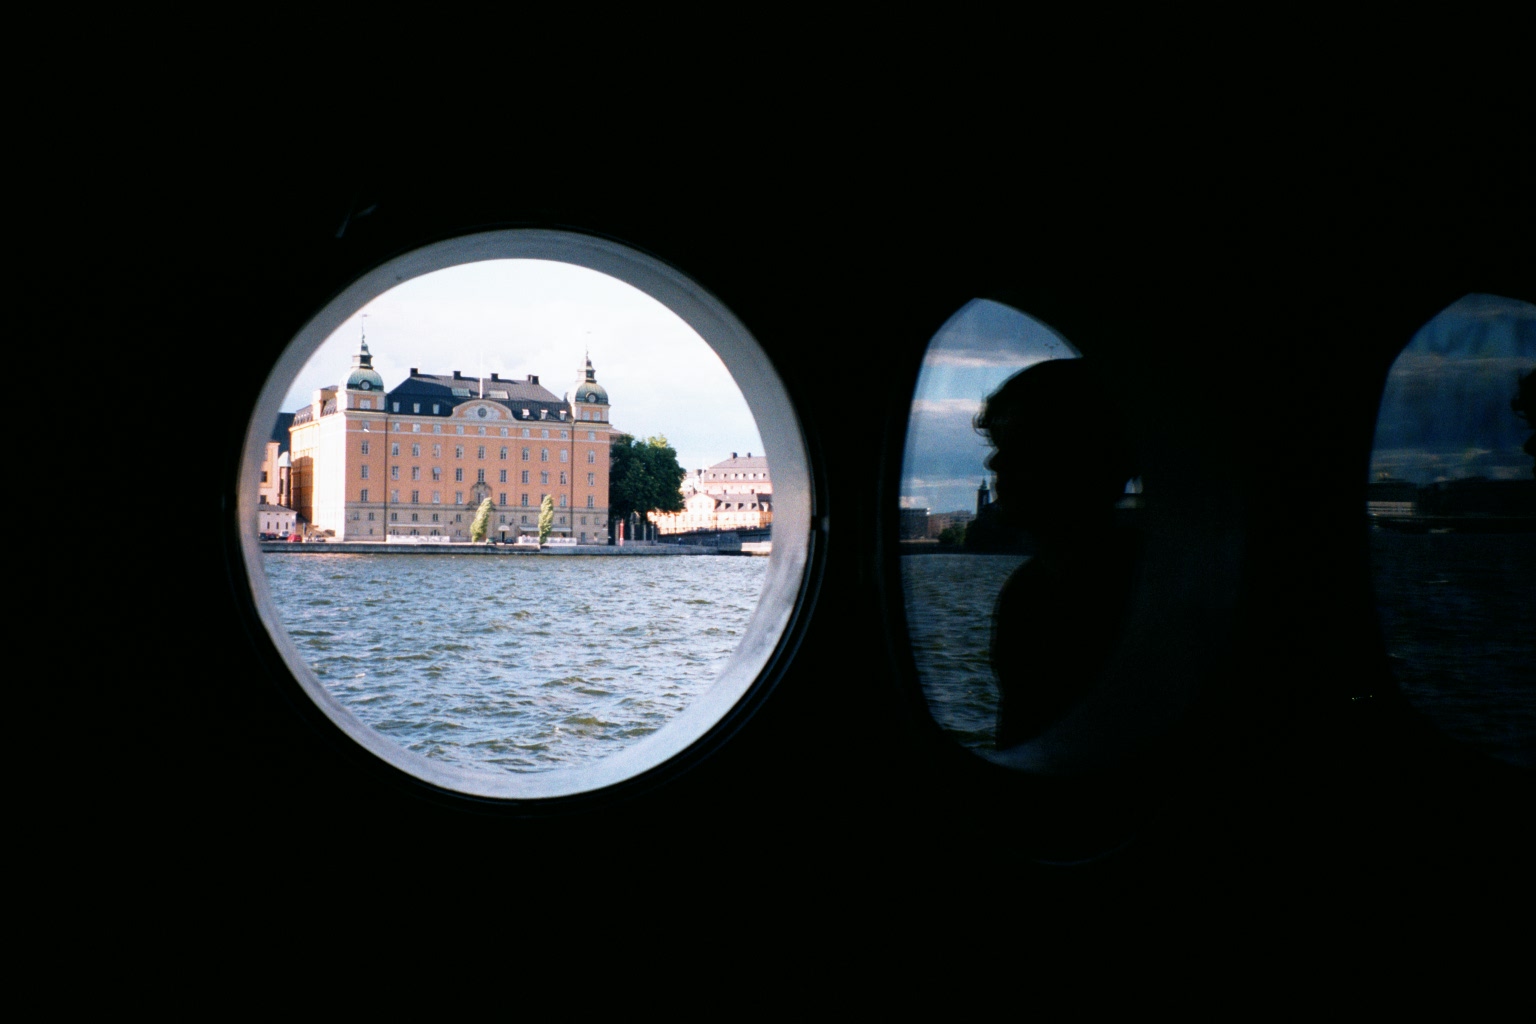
588,389
363,376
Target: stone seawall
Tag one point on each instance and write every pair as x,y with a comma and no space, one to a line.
354,547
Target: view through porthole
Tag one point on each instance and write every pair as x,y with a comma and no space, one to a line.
518,529
1451,502
1008,449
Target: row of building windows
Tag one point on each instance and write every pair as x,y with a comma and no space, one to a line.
458,498
437,428
458,453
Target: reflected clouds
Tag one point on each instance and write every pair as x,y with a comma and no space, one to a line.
977,349
1445,412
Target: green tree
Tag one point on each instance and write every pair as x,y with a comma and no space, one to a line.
644,476
546,518
952,535
482,523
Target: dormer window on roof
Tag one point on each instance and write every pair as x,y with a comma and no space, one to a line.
503,395
525,414
461,392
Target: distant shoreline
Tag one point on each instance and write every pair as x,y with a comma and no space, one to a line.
357,547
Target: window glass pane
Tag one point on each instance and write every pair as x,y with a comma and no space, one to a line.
1451,502
1018,499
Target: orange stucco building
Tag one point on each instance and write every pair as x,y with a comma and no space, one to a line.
368,464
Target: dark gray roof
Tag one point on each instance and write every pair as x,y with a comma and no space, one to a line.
740,463
440,388
280,431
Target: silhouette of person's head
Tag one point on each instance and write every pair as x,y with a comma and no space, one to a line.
1524,403
1060,455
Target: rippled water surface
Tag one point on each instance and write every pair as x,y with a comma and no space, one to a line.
517,663
1458,614
949,602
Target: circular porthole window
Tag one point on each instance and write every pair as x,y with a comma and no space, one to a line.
526,619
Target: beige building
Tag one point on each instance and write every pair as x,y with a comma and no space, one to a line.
275,520
418,460
736,494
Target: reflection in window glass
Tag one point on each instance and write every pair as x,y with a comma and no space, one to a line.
1015,560
1452,506
472,644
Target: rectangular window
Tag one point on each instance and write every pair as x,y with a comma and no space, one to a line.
565,456
503,434
482,451
394,472
590,503
544,477
562,501
480,477
415,497
437,497
394,517
370,514
525,503
367,403
543,454
458,451
363,496
415,451
503,476
437,428
459,429
365,447
394,449
525,476
503,500
525,454
591,435
437,451
503,451
434,408
458,475
394,496
437,472
591,479
415,518
397,409
415,407
458,497
434,514
544,433
481,431
415,428
591,457
363,469
415,472
562,476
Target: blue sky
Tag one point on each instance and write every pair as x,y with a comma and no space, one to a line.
516,317
977,349
1445,409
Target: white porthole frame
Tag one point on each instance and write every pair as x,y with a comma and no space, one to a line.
783,441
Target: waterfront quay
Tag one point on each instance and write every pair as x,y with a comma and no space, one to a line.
355,547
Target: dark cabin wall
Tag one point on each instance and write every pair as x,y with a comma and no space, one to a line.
1248,326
